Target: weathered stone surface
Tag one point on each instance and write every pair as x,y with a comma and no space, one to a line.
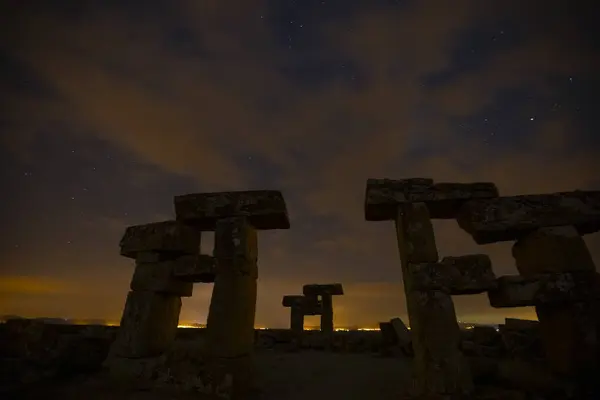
521,324
486,335
570,332
521,339
196,269
388,334
509,218
553,249
230,322
416,238
332,289
309,304
443,199
265,209
520,291
469,274
159,278
326,314
439,364
401,331
293,300
440,367
148,325
160,237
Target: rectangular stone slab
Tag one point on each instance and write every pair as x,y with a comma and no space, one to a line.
169,237
471,274
443,199
401,331
265,209
308,305
159,278
198,269
509,218
541,289
148,325
313,289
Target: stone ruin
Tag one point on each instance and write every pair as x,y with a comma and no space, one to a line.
315,300
168,263
556,273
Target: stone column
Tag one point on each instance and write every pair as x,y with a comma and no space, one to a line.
439,365
230,322
327,314
297,319
151,313
569,332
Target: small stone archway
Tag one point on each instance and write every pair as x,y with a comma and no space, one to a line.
168,263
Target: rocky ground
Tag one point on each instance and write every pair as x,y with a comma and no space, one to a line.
40,361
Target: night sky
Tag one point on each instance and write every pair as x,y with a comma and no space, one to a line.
109,109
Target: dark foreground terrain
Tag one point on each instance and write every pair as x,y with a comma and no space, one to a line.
42,361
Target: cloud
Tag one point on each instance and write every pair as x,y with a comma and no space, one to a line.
206,94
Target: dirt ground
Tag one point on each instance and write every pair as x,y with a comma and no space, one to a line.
283,376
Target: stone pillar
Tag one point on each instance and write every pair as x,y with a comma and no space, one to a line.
230,322
327,314
439,365
151,313
569,332
297,319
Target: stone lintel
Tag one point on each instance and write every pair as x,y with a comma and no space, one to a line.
518,324
197,269
510,218
308,305
443,199
265,209
543,289
470,274
159,278
330,289
168,237
293,300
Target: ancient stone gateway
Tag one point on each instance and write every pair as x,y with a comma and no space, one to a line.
300,306
168,262
316,300
557,274
439,364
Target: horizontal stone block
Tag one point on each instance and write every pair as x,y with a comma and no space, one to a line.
168,237
541,289
469,274
443,199
198,269
510,218
333,289
521,324
308,305
265,209
159,278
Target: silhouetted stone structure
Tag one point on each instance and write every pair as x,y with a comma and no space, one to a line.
557,274
300,306
323,293
428,283
151,313
235,217
168,263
